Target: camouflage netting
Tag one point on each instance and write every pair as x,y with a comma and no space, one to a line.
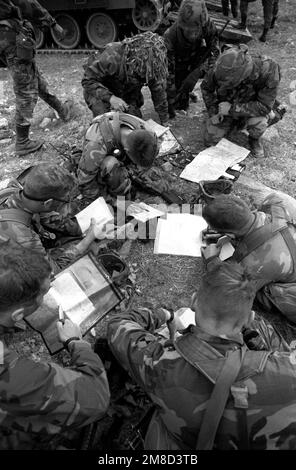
145,56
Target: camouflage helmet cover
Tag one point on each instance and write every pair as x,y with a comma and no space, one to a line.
193,14
48,180
233,66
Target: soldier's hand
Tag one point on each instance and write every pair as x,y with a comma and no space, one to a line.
117,104
224,108
174,325
210,251
59,31
68,330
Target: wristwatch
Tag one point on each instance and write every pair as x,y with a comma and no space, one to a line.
67,343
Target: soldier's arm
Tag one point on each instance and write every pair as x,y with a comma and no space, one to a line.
131,339
282,200
46,397
31,10
208,90
171,81
89,168
66,225
265,98
158,91
107,65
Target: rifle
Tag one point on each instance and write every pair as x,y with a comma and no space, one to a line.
142,183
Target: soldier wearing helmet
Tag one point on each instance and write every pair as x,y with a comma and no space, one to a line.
115,144
240,91
113,81
192,44
46,190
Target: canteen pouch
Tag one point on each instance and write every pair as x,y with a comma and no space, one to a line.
25,47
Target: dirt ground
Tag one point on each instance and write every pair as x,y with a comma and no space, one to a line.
162,280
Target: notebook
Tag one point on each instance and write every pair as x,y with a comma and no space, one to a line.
85,292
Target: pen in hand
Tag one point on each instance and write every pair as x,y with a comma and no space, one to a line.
61,315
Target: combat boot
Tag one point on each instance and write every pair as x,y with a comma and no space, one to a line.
63,109
256,147
243,22
264,35
24,145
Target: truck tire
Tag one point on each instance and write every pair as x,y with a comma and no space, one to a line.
101,29
73,33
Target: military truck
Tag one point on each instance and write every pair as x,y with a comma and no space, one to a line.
95,23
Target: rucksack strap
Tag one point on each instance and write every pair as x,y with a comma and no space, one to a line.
110,133
257,238
15,215
217,402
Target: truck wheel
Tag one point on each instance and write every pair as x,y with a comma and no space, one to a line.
101,29
147,14
71,27
40,36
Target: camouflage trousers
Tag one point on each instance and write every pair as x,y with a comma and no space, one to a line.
270,10
97,106
28,82
213,133
225,7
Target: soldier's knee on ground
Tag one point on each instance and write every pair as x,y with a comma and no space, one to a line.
256,126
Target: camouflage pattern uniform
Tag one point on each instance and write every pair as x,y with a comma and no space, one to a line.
27,236
94,177
225,7
181,392
188,62
272,263
40,402
252,100
28,83
107,76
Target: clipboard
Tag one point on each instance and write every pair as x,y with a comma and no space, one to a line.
93,297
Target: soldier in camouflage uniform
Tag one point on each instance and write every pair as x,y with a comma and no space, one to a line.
270,13
116,147
192,44
40,403
179,376
30,212
18,50
114,80
240,91
269,255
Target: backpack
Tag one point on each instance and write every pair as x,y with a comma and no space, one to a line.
279,224
112,133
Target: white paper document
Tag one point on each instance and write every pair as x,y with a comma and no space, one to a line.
227,251
180,234
143,212
96,210
213,162
67,293
155,127
168,144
